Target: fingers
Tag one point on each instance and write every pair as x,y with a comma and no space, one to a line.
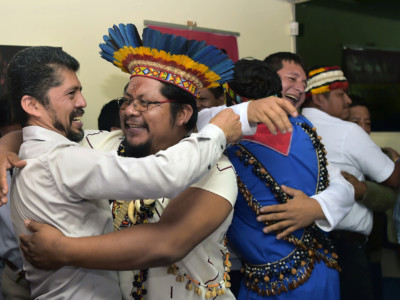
273,112
24,246
289,108
230,124
273,208
286,232
3,186
272,217
25,239
33,226
17,163
282,121
278,118
290,191
287,227
271,126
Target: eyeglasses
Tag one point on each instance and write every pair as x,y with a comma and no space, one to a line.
139,105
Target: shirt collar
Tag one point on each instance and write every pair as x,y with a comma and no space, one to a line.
42,134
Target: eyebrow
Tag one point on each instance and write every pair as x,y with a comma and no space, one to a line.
73,88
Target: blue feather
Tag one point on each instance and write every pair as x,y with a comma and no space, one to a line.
107,49
195,46
133,36
107,57
124,34
116,36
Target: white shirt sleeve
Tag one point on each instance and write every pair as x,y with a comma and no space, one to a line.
91,174
366,156
205,115
336,200
359,219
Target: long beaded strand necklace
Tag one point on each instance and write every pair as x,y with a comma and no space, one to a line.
296,268
134,213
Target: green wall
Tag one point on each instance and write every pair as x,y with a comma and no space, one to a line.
326,28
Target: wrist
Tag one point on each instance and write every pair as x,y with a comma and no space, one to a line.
63,251
361,191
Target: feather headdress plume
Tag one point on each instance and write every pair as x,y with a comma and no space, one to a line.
189,64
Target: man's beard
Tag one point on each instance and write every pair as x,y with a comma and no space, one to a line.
137,151
69,133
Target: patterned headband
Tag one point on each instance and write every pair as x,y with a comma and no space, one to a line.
325,79
231,97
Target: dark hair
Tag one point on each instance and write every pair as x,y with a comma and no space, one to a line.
255,79
182,97
276,60
126,87
357,101
5,111
33,71
217,91
109,116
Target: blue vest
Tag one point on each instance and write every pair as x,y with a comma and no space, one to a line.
291,160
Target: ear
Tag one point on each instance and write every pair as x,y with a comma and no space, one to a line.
319,100
183,116
31,106
221,100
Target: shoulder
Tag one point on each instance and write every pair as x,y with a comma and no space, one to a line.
221,180
102,140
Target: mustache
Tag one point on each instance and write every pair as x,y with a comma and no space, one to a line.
141,124
77,113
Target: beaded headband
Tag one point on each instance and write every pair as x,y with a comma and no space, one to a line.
231,97
325,79
188,64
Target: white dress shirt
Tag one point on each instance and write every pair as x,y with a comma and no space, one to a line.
352,150
62,183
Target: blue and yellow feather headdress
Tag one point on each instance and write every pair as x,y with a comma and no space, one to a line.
189,64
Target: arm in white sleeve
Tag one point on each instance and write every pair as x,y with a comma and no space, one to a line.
336,200
90,174
359,219
207,114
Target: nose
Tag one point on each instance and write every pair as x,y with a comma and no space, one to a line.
81,102
347,99
130,109
199,105
299,86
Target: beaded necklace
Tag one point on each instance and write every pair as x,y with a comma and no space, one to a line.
295,269
127,215
210,290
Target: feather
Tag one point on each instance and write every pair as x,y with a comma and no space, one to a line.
116,36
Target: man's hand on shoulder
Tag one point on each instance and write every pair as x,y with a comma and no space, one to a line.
230,124
273,112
